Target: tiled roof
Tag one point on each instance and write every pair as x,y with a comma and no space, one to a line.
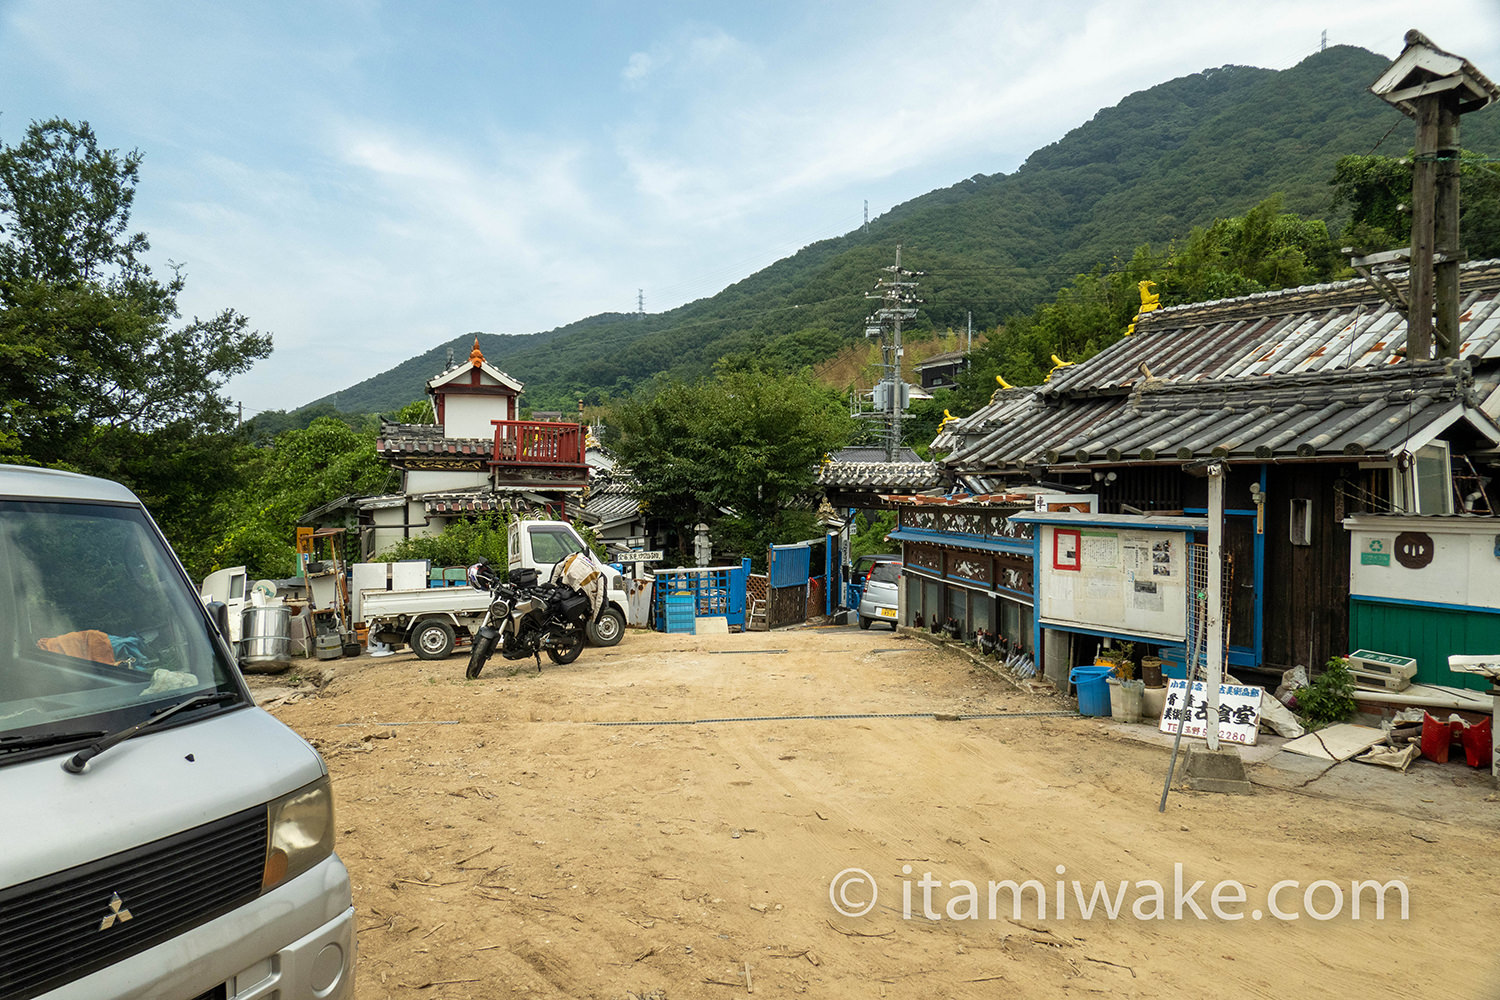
1341,413
883,476
612,502
483,500
862,453
946,358
1317,328
427,439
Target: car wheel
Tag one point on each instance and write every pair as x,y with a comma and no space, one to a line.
864,622
609,629
432,639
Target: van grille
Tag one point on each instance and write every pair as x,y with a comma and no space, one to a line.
63,926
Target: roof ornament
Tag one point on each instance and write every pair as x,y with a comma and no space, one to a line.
1058,364
1150,302
476,356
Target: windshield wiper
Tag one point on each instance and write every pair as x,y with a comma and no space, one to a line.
10,743
76,763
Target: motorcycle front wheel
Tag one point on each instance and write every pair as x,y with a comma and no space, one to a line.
479,653
570,645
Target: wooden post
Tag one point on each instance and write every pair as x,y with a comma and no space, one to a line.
1213,615
1446,206
1423,231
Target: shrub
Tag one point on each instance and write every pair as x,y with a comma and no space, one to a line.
1330,697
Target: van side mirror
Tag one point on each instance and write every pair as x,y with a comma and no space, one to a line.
219,612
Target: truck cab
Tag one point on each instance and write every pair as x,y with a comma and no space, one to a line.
541,545
167,838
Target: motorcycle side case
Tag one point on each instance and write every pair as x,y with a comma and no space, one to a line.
574,606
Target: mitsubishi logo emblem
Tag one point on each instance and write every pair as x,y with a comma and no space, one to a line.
117,913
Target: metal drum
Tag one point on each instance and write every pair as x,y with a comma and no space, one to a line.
267,643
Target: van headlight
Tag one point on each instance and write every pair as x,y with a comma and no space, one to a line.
300,828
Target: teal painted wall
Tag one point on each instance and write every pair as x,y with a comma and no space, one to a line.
1429,635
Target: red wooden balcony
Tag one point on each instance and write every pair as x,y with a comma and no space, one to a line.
537,442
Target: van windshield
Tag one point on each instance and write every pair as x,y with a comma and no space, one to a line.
553,545
97,625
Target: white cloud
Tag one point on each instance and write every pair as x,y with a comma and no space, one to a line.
364,209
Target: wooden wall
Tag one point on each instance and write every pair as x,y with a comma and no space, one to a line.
1306,587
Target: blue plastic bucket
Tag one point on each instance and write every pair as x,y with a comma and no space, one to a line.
1093,689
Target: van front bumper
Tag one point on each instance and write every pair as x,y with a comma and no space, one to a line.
296,941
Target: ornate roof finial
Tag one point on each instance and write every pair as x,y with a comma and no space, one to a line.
476,356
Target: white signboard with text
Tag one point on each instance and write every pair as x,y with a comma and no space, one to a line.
1239,711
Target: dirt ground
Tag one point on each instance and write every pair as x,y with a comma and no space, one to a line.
503,842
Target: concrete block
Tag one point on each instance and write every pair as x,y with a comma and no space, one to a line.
1216,771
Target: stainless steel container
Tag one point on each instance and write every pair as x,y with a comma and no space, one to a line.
267,643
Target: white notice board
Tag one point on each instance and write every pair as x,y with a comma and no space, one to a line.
1118,580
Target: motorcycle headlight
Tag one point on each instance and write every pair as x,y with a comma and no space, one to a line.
300,832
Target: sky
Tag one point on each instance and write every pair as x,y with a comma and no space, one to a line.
365,180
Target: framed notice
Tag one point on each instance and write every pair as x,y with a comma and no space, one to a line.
1239,711
1067,546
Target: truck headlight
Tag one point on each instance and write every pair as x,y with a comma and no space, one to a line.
300,828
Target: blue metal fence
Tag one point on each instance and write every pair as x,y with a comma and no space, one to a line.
715,592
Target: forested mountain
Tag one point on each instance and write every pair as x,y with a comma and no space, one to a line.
1148,170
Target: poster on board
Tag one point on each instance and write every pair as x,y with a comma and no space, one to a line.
1126,579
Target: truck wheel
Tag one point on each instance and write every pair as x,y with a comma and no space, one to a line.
609,629
432,639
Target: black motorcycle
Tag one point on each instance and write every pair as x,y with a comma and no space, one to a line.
526,617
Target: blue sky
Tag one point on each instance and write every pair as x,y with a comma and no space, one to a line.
365,180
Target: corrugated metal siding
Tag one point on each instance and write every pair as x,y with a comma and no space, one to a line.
1427,634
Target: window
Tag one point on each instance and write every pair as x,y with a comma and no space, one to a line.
95,619
1433,476
1425,484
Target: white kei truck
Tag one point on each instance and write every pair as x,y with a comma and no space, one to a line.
435,620
164,837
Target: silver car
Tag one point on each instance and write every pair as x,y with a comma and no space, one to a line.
879,600
165,837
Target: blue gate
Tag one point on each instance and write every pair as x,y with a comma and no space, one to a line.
788,568
715,591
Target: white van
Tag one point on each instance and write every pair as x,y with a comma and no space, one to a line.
162,837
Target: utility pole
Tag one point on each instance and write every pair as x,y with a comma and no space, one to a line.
899,303
1433,88
867,215
640,303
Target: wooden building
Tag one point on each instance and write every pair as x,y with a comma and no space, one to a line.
1308,399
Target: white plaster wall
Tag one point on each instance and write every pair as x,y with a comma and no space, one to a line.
1464,569
466,416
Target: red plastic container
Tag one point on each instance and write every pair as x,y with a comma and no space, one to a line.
1478,741
1436,738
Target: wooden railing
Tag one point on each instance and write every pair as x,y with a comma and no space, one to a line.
537,442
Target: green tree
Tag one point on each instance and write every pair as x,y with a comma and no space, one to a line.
90,340
1376,191
305,469
1264,249
739,451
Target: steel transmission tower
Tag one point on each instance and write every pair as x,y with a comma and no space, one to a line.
899,301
